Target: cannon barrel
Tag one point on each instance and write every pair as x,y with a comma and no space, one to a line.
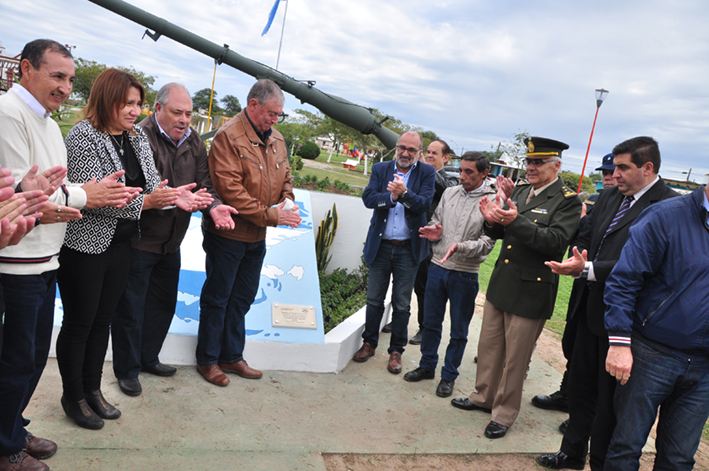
337,108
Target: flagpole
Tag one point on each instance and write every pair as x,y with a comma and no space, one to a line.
278,60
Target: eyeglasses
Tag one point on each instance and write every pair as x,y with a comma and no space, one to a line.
537,162
410,150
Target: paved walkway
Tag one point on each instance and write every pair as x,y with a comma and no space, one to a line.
286,420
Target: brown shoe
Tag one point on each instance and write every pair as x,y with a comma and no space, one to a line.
242,369
394,365
39,448
21,461
213,374
364,353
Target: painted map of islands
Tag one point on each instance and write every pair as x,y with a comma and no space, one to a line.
288,276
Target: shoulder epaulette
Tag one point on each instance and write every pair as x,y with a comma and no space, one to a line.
589,203
568,193
522,183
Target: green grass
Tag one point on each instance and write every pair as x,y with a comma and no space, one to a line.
558,318
347,176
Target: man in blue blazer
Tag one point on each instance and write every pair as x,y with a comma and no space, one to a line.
399,192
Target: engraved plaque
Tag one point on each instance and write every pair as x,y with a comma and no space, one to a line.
292,315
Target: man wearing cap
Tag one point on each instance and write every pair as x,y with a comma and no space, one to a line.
535,224
558,400
598,248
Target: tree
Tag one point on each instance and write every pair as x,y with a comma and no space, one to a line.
516,149
87,71
231,105
200,101
571,180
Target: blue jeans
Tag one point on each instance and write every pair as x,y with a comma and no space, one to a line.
399,263
680,385
144,313
460,288
233,274
27,330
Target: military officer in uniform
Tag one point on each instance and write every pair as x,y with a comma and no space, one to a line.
536,224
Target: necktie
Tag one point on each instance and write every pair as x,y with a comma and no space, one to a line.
530,196
618,215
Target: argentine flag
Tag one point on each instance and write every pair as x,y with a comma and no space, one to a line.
271,16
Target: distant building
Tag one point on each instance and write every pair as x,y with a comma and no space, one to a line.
9,67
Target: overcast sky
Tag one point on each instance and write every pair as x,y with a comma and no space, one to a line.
472,71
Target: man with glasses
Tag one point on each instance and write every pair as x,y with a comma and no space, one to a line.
249,169
536,224
399,192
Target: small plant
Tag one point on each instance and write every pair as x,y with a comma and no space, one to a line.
296,163
323,184
325,237
309,150
342,186
342,294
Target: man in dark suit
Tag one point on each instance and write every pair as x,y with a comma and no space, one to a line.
537,223
591,388
399,192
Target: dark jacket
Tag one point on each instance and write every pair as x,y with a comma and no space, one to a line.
250,176
162,230
520,283
416,201
660,285
443,180
592,235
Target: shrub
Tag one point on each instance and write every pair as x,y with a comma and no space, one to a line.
321,185
342,186
309,150
296,163
342,294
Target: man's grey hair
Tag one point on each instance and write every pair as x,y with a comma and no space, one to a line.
263,91
164,92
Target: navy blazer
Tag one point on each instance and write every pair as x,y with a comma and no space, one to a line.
416,201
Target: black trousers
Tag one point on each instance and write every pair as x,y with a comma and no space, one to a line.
420,287
90,286
591,391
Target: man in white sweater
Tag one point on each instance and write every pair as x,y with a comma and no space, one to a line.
31,145
459,247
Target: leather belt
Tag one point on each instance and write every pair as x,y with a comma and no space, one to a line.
397,243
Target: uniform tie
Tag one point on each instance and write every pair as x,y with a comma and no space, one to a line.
530,196
621,211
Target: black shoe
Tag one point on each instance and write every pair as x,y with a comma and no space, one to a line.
465,404
495,430
158,369
98,404
418,374
416,339
559,460
81,413
130,386
555,401
387,328
445,388
563,426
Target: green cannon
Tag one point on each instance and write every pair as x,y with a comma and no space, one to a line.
346,112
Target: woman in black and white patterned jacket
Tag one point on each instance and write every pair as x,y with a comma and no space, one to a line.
95,258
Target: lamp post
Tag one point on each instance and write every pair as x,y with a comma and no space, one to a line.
600,96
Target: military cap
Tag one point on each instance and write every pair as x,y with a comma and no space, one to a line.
607,163
541,146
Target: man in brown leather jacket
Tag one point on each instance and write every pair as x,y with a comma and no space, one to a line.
249,168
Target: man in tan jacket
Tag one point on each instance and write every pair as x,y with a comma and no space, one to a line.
249,169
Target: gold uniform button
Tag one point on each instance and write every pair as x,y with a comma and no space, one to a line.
507,261
539,279
509,247
535,221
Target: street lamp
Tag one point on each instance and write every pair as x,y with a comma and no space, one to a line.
600,96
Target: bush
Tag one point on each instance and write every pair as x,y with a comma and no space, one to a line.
309,150
296,163
342,294
321,185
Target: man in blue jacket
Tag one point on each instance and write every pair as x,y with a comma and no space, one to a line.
399,192
658,331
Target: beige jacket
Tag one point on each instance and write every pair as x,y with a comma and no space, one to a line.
459,215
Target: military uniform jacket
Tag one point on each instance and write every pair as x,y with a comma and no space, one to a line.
521,284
